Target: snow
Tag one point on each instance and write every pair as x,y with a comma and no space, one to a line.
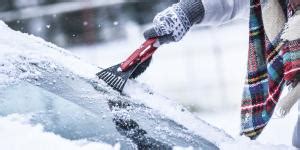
28,49
246,143
19,47
16,47
176,112
17,134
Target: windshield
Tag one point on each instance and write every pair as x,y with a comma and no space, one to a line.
77,108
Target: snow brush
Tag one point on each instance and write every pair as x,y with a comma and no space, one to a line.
117,76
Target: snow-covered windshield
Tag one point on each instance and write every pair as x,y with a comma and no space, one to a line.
62,93
78,108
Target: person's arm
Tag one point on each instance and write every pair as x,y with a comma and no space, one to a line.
174,22
222,11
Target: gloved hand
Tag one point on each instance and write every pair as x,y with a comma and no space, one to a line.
174,22
286,103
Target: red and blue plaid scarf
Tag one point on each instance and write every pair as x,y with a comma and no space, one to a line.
271,65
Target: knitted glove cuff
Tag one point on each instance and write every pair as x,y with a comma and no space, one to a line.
172,22
193,9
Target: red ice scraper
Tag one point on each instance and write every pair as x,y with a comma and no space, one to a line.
117,76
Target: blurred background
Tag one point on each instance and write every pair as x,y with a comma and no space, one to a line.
205,71
69,23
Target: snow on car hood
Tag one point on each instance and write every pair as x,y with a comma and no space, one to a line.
19,47
19,51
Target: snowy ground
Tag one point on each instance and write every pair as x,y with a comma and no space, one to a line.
204,72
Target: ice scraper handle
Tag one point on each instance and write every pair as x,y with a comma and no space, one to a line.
141,55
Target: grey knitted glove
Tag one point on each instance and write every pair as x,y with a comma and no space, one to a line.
174,22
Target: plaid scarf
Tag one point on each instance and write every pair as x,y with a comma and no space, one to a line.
271,66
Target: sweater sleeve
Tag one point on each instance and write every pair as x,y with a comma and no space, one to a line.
218,12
